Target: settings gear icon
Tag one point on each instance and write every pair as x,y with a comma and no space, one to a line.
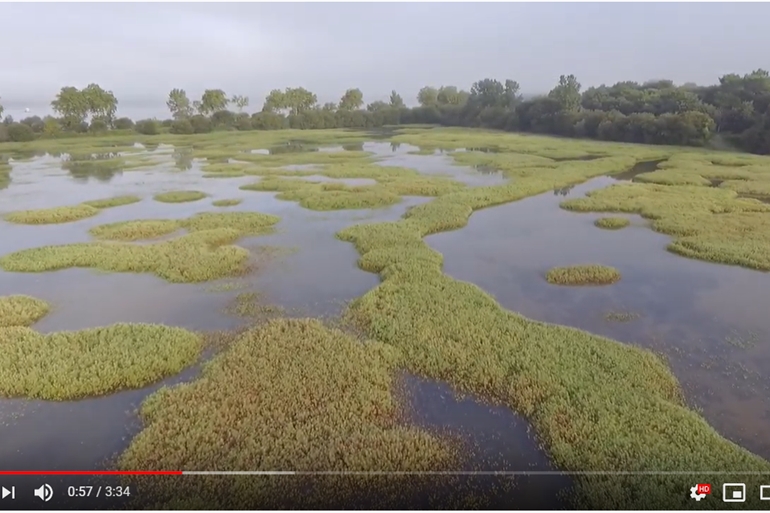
695,495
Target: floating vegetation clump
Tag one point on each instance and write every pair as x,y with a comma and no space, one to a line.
195,257
251,305
52,215
179,196
248,223
583,275
71,365
21,310
290,395
139,229
621,316
117,201
227,202
612,223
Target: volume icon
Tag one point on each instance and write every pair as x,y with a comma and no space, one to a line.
45,492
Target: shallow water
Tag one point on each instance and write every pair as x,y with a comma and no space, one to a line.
710,320
315,280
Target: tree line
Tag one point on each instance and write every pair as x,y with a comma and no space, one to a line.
734,112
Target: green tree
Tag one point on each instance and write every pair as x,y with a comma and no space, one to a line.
450,95
1,110
567,93
71,105
213,100
240,101
101,104
292,100
353,99
329,107
428,96
179,104
377,106
396,101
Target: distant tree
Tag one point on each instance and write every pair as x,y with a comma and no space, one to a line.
353,99
396,101
329,107
182,126
201,124
98,126
1,110
51,127
34,122
567,93
292,100
100,103
123,124
179,104
18,132
512,96
428,96
377,106
213,100
71,105
148,127
240,101
450,95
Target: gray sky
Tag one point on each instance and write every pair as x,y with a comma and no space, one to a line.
141,51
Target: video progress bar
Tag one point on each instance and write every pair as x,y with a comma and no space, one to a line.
473,473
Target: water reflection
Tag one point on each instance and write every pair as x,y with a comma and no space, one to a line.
183,158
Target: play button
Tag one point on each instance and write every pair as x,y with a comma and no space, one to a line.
9,493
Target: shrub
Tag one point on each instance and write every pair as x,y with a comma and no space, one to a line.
18,132
201,124
124,124
148,127
182,127
98,126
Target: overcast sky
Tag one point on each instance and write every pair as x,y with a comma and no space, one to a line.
141,51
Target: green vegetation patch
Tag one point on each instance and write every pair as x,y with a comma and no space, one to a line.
290,395
612,223
117,201
179,196
71,365
52,215
596,404
583,275
246,223
21,310
708,223
204,254
227,202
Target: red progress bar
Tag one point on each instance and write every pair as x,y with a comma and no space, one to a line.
89,473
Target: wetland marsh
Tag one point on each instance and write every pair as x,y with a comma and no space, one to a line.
411,315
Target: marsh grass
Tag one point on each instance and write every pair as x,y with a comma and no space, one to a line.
68,214
707,223
583,275
612,223
52,215
392,184
596,404
227,202
179,196
301,396
21,310
252,305
204,254
71,365
117,201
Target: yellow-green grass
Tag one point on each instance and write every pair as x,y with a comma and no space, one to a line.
195,257
117,201
591,274
612,223
707,223
289,395
179,196
390,186
140,229
5,175
71,365
227,202
595,403
21,310
52,215
68,214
